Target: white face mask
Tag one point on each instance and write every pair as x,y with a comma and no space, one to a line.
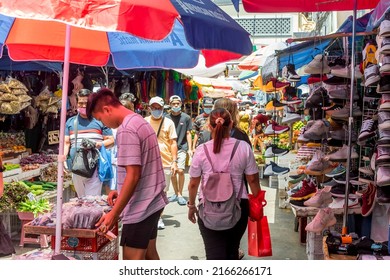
157,114
176,109
207,110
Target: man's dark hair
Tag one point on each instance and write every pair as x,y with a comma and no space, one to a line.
84,92
99,99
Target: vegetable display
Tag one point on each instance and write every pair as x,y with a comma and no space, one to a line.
34,206
14,193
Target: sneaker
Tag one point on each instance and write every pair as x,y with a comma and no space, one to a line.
297,178
384,84
307,191
330,183
295,189
366,170
338,203
342,179
288,72
383,137
321,199
275,128
172,198
340,92
371,93
181,200
383,155
160,224
318,166
367,130
318,131
342,134
338,190
383,195
385,65
278,170
383,120
384,28
371,75
291,118
383,176
344,112
315,78
385,102
323,219
319,65
345,72
334,80
274,151
384,46
317,98
342,154
368,200
339,170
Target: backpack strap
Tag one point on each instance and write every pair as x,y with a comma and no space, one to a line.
231,156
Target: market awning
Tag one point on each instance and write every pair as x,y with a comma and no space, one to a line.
288,6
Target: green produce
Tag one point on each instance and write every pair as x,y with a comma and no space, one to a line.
35,206
14,193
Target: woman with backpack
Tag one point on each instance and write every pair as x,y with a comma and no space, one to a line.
217,165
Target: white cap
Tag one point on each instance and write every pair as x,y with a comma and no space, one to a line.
157,100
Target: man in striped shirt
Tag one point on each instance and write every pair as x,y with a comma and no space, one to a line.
140,198
92,130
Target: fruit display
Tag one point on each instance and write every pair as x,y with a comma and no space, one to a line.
297,130
36,159
12,142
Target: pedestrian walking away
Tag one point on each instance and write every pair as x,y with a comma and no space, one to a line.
222,244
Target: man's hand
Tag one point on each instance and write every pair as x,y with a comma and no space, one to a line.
99,145
112,197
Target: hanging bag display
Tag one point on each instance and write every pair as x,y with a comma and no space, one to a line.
86,158
104,166
259,238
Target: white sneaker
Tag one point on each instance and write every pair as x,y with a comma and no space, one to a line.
160,224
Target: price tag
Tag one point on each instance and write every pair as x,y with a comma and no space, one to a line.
53,137
31,197
73,242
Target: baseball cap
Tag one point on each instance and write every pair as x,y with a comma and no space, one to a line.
174,97
156,100
208,101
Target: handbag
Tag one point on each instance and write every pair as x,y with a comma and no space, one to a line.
104,166
259,238
85,160
256,205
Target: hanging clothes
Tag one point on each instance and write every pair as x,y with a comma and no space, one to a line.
152,86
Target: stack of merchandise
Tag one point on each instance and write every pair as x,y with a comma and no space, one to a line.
13,97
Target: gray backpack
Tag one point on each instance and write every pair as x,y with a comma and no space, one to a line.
219,209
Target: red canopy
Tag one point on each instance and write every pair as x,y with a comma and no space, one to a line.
288,6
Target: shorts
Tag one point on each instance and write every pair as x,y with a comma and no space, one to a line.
181,159
139,234
168,174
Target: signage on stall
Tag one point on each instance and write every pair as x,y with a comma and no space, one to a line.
53,137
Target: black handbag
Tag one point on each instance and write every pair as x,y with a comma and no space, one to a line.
86,158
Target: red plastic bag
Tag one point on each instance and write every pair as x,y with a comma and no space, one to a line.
256,205
259,238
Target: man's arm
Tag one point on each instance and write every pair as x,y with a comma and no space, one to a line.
108,141
189,141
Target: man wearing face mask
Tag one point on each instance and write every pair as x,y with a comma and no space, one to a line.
166,137
183,125
202,134
93,130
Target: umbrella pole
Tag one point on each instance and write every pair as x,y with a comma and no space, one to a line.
350,126
60,171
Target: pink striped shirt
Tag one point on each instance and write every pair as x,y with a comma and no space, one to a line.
137,145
